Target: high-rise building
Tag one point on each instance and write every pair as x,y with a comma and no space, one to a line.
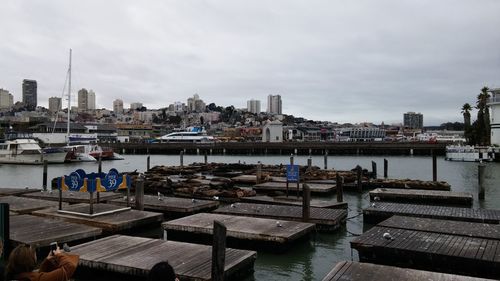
83,100
135,105
118,106
91,100
6,99
55,104
195,104
30,94
413,120
253,106
274,104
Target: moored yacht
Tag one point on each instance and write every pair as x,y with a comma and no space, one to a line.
22,148
469,153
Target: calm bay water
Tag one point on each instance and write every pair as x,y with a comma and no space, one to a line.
313,259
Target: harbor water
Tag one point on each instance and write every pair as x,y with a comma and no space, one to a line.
308,260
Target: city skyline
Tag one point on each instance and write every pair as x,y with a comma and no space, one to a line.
329,60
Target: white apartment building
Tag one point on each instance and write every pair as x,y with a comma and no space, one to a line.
274,104
118,106
135,105
55,104
253,106
6,99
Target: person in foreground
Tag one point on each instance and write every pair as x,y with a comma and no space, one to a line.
162,271
58,266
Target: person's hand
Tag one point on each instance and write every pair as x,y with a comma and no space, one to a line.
57,250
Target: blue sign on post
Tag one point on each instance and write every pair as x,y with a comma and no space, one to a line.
292,173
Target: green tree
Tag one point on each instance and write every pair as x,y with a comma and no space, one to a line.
482,124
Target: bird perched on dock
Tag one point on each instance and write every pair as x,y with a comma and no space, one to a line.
387,236
376,198
233,206
193,200
373,205
160,196
278,224
216,197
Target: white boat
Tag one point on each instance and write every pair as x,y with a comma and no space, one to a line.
79,153
469,153
22,148
192,135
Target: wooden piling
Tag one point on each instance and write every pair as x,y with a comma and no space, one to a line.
139,195
206,158
480,174
386,166
99,169
374,170
259,172
91,203
359,178
181,155
326,160
306,202
60,198
309,163
218,251
44,178
340,184
4,229
434,166
148,161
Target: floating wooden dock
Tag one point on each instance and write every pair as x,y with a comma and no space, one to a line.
73,197
23,205
245,179
422,196
135,256
400,184
6,191
172,206
311,181
110,223
325,219
292,187
356,271
384,210
40,232
245,232
459,247
293,201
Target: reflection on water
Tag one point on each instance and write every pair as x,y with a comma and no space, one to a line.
308,260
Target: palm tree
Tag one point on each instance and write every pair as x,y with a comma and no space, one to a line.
466,108
483,117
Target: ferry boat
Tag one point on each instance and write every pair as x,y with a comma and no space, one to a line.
469,153
22,148
191,135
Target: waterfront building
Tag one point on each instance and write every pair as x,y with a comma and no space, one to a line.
55,104
413,120
272,131
118,106
195,104
136,105
274,104
494,105
6,100
30,94
253,106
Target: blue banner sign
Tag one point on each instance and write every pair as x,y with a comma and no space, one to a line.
102,182
292,173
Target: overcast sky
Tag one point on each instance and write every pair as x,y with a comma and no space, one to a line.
340,61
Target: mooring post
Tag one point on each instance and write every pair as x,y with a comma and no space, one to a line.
480,173
181,154
340,188
91,197
99,170
434,166
5,229
326,159
386,166
218,251
259,172
44,178
139,195
359,177
128,196
306,202
206,158
60,197
374,169
148,162
309,162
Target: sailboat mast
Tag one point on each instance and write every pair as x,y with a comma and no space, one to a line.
69,97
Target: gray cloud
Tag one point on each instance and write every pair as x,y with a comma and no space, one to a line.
341,61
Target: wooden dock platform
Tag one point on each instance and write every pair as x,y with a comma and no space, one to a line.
325,219
312,181
22,205
242,232
422,196
135,256
349,270
6,191
40,232
245,179
400,184
292,187
110,223
384,210
293,201
73,197
172,207
468,248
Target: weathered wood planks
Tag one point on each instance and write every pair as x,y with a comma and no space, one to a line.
241,231
135,256
6,191
383,210
468,248
292,187
72,197
422,196
293,201
110,223
172,206
325,219
23,205
348,270
40,232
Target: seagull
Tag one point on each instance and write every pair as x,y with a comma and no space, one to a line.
193,200
373,205
387,236
376,198
124,197
160,196
278,224
216,197
233,206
